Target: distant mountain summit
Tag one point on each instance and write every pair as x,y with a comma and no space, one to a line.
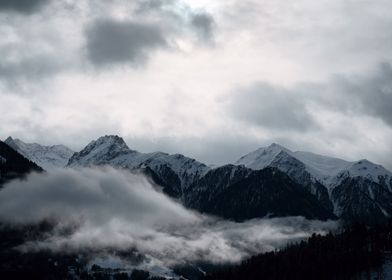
47,157
101,151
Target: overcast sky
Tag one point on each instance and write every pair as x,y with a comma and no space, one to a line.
210,79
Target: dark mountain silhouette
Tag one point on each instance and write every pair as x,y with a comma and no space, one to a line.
13,165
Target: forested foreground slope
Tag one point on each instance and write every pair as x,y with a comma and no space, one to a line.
356,253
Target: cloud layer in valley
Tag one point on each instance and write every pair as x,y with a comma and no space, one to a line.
112,209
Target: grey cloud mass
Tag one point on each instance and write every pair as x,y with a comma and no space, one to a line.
204,25
116,42
33,68
155,25
370,95
272,107
22,6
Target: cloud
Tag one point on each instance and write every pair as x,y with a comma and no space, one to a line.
83,192
22,6
204,25
371,95
112,209
37,68
272,107
116,42
153,25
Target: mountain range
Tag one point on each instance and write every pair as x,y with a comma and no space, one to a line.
270,181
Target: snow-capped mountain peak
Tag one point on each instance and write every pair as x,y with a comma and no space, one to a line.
47,157
262,157
101,151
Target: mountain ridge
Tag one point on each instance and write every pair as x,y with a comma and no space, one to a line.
112,150
47,157
341,188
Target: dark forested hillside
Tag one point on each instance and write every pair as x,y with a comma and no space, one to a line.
246,194
13,165
335,256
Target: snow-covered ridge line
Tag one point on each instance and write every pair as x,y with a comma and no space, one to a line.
112,150
327,170
355,191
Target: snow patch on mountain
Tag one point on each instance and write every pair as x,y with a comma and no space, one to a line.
47,157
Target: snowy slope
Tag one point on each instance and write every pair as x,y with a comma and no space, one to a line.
322,167
112,150
47,157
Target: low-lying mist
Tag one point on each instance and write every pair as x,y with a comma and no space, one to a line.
113,209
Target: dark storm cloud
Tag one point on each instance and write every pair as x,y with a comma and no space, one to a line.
155,25
204,25
22,6
271,107
117,42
